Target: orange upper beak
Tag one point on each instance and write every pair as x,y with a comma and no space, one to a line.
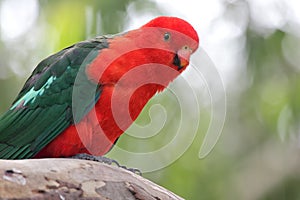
182,57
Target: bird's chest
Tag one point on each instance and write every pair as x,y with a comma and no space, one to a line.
119,106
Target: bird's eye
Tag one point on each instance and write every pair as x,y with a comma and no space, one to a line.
167,36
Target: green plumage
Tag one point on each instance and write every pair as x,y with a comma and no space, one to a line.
44,107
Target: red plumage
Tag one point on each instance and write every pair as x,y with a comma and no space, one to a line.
136,65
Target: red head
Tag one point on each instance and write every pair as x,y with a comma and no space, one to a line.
175,24
164,40
174,34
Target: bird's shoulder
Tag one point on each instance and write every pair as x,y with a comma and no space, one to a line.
58,72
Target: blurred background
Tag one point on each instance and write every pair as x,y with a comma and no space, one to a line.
254,46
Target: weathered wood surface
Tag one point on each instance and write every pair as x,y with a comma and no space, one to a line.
74,179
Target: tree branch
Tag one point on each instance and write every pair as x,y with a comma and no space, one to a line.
74,179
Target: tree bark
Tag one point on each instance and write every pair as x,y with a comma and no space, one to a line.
74,179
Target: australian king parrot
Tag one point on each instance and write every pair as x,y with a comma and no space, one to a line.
81,99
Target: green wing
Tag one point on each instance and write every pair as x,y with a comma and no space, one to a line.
44,107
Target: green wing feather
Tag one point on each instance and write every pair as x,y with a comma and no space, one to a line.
44,107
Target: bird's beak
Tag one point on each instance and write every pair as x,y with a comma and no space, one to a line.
182,57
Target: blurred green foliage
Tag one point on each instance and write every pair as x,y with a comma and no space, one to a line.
257,155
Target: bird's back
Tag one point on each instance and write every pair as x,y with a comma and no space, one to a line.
43,108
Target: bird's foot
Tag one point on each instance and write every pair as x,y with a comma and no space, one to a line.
105,160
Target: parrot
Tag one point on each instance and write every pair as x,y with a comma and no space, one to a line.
81,99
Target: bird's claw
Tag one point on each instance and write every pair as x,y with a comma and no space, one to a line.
105,160
133,170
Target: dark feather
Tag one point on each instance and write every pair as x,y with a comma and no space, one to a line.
44,108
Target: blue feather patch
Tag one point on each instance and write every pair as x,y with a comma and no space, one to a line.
31,95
